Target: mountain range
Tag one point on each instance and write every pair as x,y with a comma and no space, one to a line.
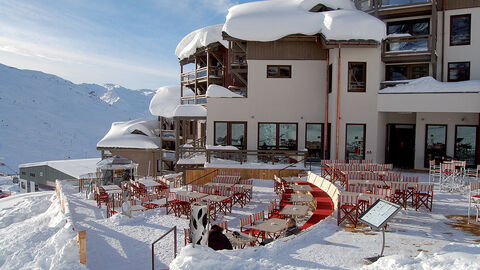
44,117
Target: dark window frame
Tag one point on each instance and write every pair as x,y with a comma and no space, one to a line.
325,152
425,161
277,138
476,141
364,79
229,132
330,78
364,138
409,68
469,16
280,66
449,69
410,25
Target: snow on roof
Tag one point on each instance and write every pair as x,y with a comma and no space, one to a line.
273,19
129,135
430,85
221,147
72,167
198,39
190,110
219,91
166,100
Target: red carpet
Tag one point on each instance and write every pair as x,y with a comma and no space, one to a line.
324,207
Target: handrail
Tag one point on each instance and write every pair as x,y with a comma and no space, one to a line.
293,164
174,229
216,170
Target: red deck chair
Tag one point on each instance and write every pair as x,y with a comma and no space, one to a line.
347,208
399,194
424,196
258,217
245,223
474,199
101,196
239,196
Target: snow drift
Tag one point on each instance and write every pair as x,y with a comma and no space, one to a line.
198,39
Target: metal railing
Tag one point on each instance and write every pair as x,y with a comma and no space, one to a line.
369,5
265,156
174,229
201,177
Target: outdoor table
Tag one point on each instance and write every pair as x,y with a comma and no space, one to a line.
111,187
270,228
218,202
192,195
301,198
301,188
294,210
293,179
241,240
219,184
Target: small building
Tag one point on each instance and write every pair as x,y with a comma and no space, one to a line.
45,173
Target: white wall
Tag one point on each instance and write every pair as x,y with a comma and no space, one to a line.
299,99
462,53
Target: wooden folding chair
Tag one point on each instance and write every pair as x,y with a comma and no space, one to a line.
399,194
424,196
347,208
474,199
245,224
258,217
239,196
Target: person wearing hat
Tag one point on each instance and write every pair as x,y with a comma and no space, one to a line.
217,240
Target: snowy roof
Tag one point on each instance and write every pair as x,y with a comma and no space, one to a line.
72,167
198,39
221,147
219,91
129,135
274,19
190,110
430,85
166,100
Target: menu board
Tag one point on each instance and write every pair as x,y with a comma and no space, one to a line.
379,213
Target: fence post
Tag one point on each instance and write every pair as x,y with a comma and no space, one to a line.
82,246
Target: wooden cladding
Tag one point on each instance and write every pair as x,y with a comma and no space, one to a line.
285,50
458,4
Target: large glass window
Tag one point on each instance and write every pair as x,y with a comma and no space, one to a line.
460,30
231,133
466,144
412,28
357,76
458,71
406,72
435,142
314,140
277,136
279,71
355,142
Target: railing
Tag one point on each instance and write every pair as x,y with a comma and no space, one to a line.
168,134
189,152
213,72
201,99
201,177
264,156
407,45
174,229
291,165
368,5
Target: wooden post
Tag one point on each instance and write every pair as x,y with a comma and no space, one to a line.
196,74
177,138
181,84
82,246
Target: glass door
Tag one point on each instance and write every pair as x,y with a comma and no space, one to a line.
466,144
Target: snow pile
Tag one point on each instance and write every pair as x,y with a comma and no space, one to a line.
34,234
221,147
198,39
272,20
72,167
166,100
190,110
219,91
137,134
430,85
452,256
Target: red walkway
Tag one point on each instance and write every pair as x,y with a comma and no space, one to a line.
324,207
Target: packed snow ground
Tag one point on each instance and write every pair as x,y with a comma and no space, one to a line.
414,239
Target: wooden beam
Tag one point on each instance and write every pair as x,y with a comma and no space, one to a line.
208,68
234,72
218,58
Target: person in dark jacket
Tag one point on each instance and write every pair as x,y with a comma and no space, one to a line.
290,229
217,240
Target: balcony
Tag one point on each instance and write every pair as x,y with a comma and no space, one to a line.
214,73
395,8
201,99
408,49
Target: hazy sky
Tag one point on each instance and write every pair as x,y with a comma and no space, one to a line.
127,42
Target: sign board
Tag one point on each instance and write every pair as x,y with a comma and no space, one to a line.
379,213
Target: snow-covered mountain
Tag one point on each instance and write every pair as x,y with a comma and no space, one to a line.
44,117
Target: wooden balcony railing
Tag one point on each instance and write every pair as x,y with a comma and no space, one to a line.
369,5
201,99
201,73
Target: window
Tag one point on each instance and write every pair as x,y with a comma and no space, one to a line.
24,173
355,142
330,71
357,76
314,140
231,133
32,174
458,71
279,71
435,142
460,30
41,174
406,72
277,136
466,144
412,28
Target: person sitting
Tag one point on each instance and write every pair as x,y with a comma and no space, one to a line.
290,229
217,240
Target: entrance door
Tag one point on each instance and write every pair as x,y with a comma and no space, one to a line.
401,145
